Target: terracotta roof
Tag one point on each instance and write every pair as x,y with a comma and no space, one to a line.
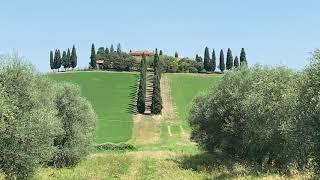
140,53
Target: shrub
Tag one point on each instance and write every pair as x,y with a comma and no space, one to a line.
250,116
116,147
78,120
28,123
309,110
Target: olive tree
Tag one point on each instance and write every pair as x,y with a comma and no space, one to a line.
28,122
309,110
78,121
250,115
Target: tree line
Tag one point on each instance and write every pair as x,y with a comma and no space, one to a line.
265,116
206,64
112,59
67,60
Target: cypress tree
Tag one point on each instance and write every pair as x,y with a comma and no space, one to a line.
160,53
206,59
156,105
229,63
107,51
142,86
93,63
68,58
57,60
243,57
176,55
197,58
111,48
236,62
64,60
222,65
119,48
51,61
213,61
74,57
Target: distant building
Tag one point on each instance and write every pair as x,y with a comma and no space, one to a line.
138,54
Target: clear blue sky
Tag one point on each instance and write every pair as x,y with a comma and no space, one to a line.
273,32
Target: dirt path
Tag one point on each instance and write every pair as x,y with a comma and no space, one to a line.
168,111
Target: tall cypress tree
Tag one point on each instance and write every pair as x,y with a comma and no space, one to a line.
93,63
214,61
222,66
229,63
107,51
206,59
119,48
236,62
51,61
57,60
142,86
156,105
68,58
176,55
243,57
74,57
64,60
111,49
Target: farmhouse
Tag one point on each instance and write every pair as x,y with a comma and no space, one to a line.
138,54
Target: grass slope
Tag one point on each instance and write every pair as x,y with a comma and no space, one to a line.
110,93
185,87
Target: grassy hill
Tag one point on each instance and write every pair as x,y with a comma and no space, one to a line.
164,149
111,95
185,87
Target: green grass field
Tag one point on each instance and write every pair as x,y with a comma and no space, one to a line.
185,87
111,95
173,156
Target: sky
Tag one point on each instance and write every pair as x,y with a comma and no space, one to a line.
273,32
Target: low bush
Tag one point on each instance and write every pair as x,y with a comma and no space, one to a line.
116,147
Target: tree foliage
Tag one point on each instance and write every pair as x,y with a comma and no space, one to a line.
250,116
93,63
74,58
28,122
142,86
222,66
243,57
156,105
51,61
229,63
78,121
236,62
206,60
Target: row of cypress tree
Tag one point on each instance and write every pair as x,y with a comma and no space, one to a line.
67,60
210,64
156,105
142,86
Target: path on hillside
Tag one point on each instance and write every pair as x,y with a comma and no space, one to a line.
147,129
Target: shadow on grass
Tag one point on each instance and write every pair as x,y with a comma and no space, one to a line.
216,164
132,106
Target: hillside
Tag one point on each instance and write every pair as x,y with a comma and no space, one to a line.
111,94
